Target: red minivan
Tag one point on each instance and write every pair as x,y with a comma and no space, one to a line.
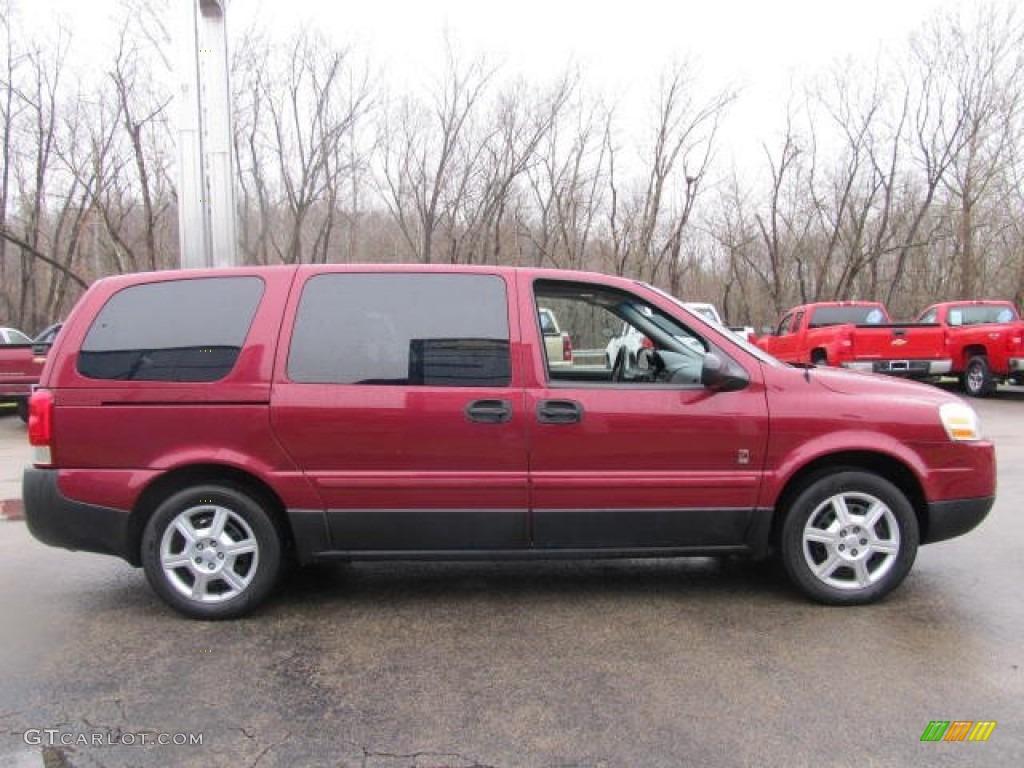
209,425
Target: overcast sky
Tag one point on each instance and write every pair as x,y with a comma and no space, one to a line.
757,46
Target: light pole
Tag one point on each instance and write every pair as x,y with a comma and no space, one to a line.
206,194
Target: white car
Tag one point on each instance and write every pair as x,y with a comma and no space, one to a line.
628,338
632,340
710,312
707,311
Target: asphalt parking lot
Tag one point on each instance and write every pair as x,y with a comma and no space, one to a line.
654,663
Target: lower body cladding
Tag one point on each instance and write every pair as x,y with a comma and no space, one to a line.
519,533
914,369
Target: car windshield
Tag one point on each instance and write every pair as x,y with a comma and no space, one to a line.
15,336
705,311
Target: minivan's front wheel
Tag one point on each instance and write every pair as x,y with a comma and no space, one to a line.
211,552
849,538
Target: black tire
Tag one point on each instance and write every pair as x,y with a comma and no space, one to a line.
849,538
240,563
22,410
819,358
978,380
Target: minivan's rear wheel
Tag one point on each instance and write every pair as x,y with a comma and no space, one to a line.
211,552
849,538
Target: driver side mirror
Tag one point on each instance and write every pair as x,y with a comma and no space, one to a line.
720,375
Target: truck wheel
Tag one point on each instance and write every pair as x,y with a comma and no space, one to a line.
211,552
978,380
849,538
819,358
22,410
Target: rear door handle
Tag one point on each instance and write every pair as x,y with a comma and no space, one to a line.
489,411
559,412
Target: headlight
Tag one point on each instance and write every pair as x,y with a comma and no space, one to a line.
961,421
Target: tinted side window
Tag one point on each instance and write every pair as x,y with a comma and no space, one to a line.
402,329
179,330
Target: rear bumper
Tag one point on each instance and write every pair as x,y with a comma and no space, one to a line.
908,368
948,519
59,521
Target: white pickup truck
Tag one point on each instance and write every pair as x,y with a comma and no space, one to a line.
557,343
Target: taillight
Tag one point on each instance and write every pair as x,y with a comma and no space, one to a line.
646,343
40,424
566,347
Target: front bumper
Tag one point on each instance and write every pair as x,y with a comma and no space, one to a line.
909,368
948,519
59,521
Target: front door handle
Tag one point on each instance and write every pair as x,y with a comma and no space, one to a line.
559,412
489,411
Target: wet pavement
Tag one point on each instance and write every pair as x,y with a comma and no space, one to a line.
654,663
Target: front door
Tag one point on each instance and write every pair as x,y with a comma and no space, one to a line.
646,456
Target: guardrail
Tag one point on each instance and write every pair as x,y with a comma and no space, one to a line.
588,357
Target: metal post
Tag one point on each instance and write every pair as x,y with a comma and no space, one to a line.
206,195
192,230
218,143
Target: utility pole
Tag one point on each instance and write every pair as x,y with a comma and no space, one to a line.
206,192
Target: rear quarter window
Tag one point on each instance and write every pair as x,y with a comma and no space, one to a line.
178,330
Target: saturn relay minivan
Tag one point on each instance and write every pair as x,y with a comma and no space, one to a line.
210,426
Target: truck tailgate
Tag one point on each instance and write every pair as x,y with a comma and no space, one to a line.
907,341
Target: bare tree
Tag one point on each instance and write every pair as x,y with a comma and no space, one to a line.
567,187
982,67
426,151
7,116
295,115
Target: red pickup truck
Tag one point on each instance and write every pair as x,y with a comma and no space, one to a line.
20,367
985,340
19,370
858,335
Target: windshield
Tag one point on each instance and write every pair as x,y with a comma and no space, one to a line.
704,310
